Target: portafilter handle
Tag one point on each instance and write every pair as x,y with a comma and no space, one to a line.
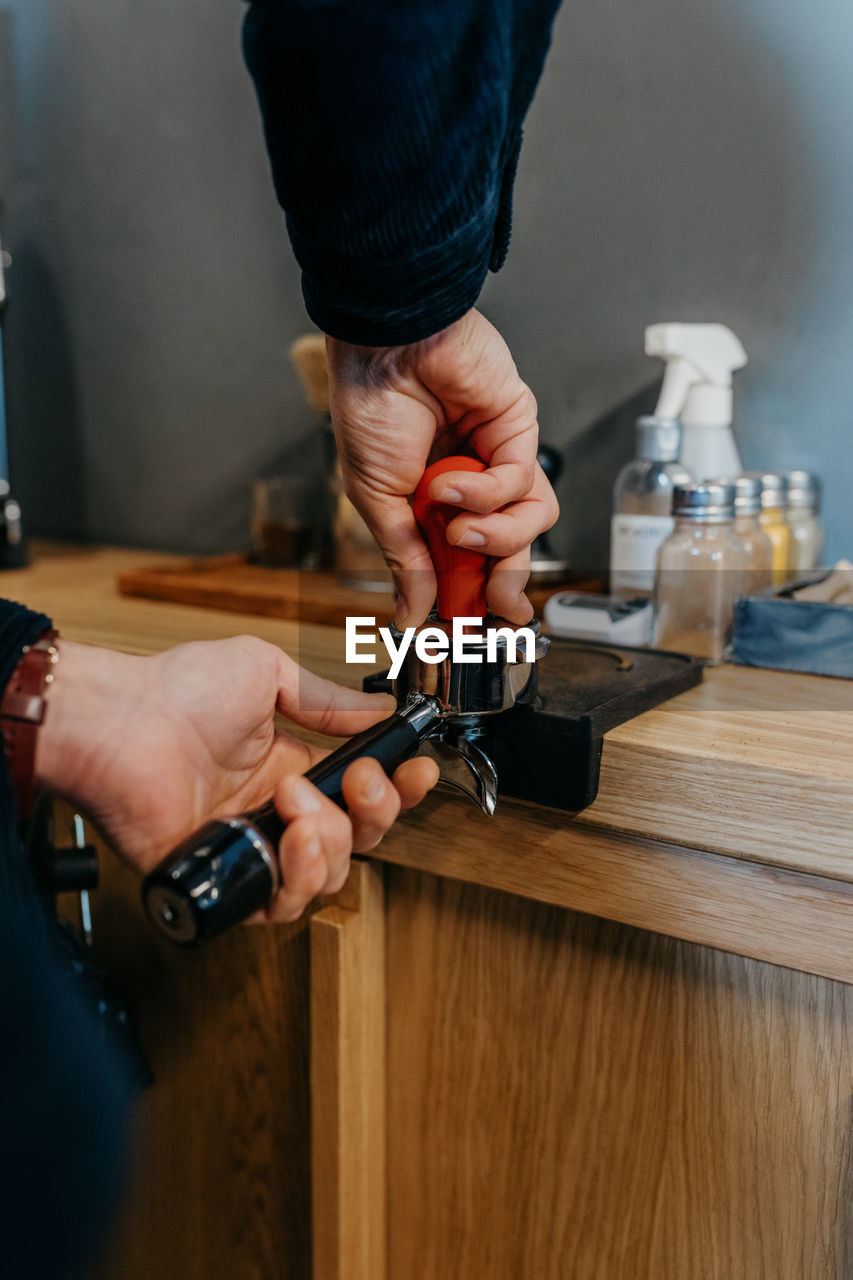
229,869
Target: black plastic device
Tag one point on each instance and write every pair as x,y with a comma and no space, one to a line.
228,870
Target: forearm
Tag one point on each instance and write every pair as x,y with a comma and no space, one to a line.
393,133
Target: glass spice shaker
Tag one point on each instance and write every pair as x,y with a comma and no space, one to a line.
702,569
747,527
774,521
807,536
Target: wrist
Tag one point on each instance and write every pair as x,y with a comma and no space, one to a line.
340,352
87,706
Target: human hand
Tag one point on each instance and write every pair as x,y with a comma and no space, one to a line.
151,748
397,409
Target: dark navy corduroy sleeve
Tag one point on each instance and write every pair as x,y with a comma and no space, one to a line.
393,131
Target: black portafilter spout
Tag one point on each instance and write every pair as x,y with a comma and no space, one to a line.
228,870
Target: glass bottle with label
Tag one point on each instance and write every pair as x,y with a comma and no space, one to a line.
642,506
807,536
702,570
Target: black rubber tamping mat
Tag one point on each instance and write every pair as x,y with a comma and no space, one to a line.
548,749
598,686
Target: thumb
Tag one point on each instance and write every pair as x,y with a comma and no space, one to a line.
324,707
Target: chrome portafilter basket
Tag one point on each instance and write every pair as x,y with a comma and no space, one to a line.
488,675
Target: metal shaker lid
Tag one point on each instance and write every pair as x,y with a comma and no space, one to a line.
658,439
712,502
803,490
747,493
774,488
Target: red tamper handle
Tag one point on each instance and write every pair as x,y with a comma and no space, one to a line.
461,573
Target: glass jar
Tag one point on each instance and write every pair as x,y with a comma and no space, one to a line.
702,569
774,521
747,527
807,535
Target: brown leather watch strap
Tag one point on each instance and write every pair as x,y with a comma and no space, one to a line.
22,710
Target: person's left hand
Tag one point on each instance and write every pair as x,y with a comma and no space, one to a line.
396,409
151,748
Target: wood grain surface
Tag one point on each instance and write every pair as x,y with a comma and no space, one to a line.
755,764
577,1100
234,583
219,1177
785,917
348,1080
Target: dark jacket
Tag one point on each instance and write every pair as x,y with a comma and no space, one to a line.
393,128
63,1090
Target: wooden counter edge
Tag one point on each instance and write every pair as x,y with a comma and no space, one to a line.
788,918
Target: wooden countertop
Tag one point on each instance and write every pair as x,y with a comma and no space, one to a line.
724,816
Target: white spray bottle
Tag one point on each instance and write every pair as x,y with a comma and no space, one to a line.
697,388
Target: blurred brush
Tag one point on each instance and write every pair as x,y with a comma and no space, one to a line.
358,560
308,354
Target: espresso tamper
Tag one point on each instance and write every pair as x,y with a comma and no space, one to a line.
229,869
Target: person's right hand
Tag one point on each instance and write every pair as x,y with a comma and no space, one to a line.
397,409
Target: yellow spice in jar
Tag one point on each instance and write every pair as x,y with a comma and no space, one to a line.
775,525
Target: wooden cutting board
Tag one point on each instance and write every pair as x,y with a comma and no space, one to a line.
233,582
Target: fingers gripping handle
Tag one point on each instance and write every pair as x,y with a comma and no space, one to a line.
461,574
228,870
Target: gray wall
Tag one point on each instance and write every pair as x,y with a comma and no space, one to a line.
155,293
685,159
